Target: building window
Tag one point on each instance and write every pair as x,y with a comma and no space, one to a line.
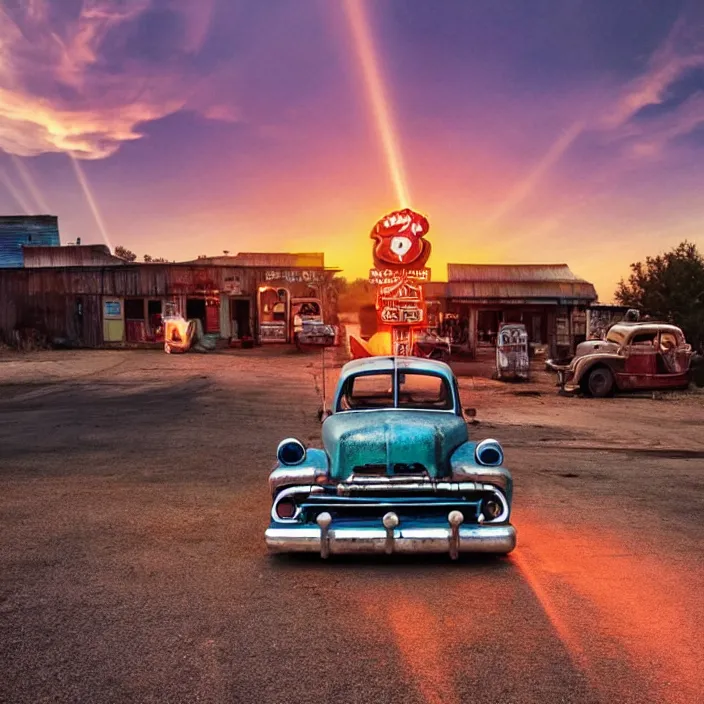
134,309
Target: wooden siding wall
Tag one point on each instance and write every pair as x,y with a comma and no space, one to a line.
45,299
55,316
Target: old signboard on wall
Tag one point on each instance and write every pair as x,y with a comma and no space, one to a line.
294,276
112,309
232,285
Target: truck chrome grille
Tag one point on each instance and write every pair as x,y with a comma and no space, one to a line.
414,469
417,509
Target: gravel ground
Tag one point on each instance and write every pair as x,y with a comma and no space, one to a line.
133,501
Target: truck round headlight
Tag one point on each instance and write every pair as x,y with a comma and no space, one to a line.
492,509
286,508
489,453
290,452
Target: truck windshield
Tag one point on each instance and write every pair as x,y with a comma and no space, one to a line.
423,391
416,390
366,391
615,336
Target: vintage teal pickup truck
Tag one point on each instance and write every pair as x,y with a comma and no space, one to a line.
398,473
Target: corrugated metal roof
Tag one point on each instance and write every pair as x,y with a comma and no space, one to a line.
71,255
278,260
510,272
508,291
19,230
281,259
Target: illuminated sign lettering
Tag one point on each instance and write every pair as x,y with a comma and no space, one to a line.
294,276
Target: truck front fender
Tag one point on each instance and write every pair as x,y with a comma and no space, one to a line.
585,364
465,468
313,469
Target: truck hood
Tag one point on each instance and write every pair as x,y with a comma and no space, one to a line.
387,438
594,346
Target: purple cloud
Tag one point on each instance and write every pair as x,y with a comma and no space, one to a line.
81,78
633,117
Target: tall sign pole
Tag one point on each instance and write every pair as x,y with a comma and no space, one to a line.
400,255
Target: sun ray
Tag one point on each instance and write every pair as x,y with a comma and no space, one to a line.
92,204
15,192
378,102
30,184
525,187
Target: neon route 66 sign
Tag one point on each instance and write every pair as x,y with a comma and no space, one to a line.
382,277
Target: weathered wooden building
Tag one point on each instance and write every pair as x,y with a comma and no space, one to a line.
549,299
119,303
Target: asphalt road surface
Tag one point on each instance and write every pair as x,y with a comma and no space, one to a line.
133,502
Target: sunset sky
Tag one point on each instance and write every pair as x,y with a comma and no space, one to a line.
527,131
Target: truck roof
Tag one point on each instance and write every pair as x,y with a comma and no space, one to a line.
388,364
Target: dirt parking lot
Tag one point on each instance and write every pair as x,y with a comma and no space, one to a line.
133,501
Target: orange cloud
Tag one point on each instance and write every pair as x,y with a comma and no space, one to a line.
86,89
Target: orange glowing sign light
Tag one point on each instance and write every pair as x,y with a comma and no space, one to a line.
400,254
400,240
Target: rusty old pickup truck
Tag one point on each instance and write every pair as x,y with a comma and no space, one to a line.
639,355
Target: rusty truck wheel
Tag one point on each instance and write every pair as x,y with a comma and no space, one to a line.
600,382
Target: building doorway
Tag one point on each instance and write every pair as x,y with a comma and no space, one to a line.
155,320
195,309
537,329
241,318
113,320
488,322
207,310
274,314
135,323
512,315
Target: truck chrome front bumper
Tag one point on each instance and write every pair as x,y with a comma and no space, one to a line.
451,539
565,374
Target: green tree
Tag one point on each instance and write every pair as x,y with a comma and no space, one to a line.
124,253
669,287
